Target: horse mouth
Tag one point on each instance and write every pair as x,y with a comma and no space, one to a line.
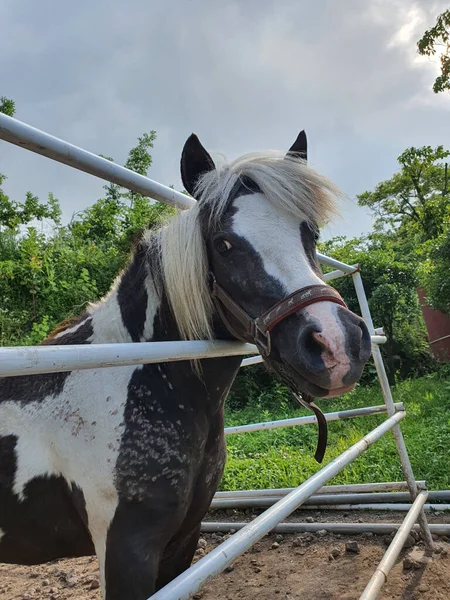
298,383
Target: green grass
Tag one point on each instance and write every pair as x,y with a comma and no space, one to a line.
285,457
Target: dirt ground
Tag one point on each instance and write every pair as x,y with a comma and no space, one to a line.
319,566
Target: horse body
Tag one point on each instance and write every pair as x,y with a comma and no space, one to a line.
124,462
84,447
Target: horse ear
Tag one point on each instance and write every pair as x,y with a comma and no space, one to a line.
300,146
195,161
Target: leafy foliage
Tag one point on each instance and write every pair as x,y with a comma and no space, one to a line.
438,36
284,457
413,198
45,279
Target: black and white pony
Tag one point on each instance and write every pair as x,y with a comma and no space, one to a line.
123,462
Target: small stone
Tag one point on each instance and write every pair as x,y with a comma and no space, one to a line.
423,587
438,549
26,597
200,552
275,545
229,568
198,596
352,547
300,552
95,584
45,582
33,575
257,569
297,542
322,532
71,582
409,542
202,543
279,538
309,520
335,552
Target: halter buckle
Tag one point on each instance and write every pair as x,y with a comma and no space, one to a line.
262,341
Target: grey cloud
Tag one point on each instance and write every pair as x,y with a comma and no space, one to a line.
243,75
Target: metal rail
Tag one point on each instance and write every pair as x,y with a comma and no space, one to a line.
339,528
311,419
23,135
379,578
356,488
30,360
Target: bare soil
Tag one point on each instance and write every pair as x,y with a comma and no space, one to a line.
319,566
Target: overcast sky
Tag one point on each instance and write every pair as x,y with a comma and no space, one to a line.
244,75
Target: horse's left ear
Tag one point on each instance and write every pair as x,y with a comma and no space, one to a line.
195,161
300,146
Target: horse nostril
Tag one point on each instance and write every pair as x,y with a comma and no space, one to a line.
320,341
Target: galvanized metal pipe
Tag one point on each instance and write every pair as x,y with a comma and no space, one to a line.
337,264
338,273
386,390
325,499
30,360
391,507
379,578
337,528
356,488
25,136
189,582
311,419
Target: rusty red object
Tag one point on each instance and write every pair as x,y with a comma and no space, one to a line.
438,328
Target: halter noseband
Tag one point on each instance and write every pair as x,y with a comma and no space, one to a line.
257,331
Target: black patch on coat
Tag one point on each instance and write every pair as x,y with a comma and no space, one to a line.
35,388
309,234
49,523
132,294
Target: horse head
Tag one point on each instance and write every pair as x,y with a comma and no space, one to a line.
260,221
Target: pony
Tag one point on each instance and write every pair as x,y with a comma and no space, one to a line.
124,462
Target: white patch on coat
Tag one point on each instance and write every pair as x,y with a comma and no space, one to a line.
77,436
276,238
107,321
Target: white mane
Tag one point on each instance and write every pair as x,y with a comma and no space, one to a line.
289,183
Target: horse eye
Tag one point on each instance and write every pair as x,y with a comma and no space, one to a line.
223,246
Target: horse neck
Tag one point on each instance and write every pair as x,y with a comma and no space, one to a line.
134,311
127,313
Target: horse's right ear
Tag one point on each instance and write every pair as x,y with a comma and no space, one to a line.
195,161
300,146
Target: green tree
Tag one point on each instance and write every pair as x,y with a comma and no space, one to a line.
16,213
390,281
434,38
413,201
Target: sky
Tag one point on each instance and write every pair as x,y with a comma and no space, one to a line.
245,75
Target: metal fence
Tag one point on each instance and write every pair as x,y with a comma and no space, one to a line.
280,503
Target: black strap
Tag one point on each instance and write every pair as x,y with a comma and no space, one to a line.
323,427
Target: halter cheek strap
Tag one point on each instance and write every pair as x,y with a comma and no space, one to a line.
257,331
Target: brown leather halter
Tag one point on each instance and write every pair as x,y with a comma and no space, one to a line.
257,331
